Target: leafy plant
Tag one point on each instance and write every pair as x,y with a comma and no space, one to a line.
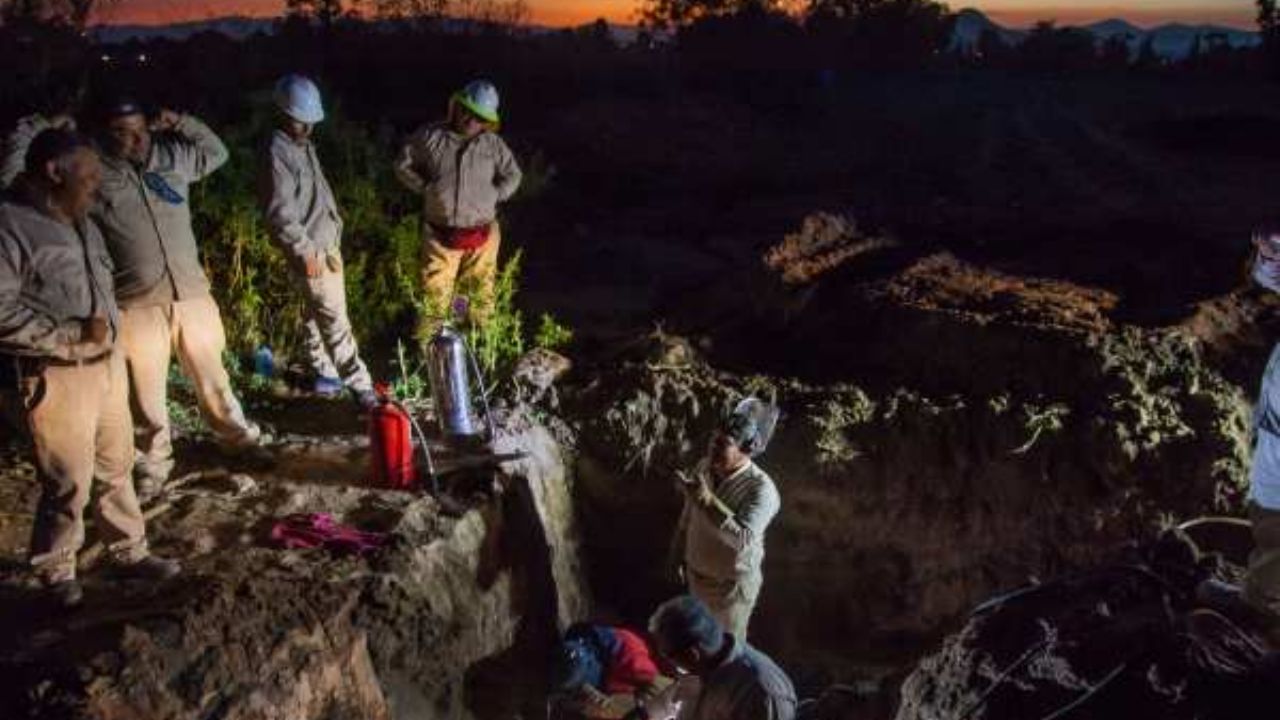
551,334
498,341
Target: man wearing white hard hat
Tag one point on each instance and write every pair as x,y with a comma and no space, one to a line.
461,169
303,220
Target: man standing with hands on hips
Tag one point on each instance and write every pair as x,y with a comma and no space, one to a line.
462,169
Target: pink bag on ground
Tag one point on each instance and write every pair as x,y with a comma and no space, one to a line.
314,530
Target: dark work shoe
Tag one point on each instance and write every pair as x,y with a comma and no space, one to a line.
148,568
65,594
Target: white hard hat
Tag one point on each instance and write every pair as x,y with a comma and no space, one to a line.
299,98
481,98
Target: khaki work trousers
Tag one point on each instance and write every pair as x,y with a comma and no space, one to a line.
446,273
329,341
191,329
731,602
1262,581
78,416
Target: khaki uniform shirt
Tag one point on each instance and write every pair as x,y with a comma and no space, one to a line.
52,277
301,211
150,238
461,181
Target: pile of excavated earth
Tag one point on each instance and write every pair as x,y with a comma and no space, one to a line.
951,434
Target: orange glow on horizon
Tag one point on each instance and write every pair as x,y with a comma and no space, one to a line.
563,13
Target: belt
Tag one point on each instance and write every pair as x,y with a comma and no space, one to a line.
26,366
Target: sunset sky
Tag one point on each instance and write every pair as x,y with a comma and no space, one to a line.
1239,13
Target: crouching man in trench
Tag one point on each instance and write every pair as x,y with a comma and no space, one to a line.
738,681
58,331
728,505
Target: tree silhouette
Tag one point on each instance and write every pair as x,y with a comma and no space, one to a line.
76,13
890,33
408,9
326,12
1049,47
674,14
1269,27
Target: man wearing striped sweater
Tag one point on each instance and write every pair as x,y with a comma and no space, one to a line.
728,506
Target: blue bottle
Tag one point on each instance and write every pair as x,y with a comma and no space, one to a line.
264,362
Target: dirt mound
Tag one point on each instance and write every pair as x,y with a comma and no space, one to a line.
427,627
1123,640
824,242
944,283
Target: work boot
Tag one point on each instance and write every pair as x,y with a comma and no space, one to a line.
64,594
148,568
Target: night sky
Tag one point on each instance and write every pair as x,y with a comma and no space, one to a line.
1239,13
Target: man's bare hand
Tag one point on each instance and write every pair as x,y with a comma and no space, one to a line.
94,330
315,265
63,122
167,120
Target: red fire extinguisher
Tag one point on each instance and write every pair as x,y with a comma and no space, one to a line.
391,446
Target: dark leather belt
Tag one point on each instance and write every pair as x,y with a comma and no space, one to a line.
25,366
59,362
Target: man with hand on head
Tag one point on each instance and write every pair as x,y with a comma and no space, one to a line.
166,308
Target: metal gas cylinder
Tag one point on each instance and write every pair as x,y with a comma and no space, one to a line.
450,366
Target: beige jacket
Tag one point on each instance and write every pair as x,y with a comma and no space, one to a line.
460,181
16,143
52,277
301,211
730,548
150,239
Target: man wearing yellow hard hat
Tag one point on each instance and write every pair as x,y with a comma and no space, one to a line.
462,169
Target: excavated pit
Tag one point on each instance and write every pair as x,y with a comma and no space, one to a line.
441,623
949,431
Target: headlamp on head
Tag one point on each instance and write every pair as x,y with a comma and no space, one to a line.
750,426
